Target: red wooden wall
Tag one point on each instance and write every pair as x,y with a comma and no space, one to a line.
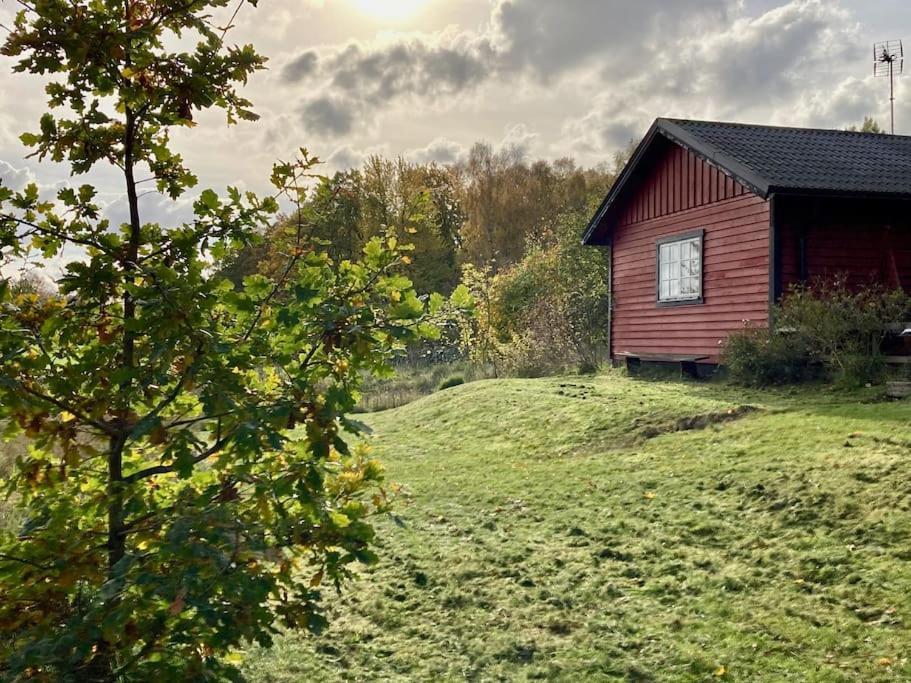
856,244
680,194
679,180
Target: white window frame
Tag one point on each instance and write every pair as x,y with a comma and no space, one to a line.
680,263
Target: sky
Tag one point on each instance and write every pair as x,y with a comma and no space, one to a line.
427,78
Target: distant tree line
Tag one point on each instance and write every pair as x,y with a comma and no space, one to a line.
488,210
507,227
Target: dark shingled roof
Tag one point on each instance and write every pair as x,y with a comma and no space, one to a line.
773,159
808,159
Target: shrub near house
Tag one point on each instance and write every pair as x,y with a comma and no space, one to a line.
825,324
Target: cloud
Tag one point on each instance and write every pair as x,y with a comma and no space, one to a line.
777,67
549,38
631,62
347,157
426,67
300,67
344,158
153,208
440,151
535,39
329,116
519,140
14,178
846,103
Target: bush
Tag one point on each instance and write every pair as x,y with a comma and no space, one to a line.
756,357
844,328
824,324
588,367
451,382
545,314
860,369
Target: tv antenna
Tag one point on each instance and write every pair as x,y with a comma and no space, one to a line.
889,60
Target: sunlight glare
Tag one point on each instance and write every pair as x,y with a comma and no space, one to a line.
390,10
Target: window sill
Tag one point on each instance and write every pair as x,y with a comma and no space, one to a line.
683,302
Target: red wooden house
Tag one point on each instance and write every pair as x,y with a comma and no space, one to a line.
709,223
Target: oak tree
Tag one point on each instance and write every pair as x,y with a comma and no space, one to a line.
189,484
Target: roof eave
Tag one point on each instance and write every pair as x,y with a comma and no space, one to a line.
725,163
618,186
836,193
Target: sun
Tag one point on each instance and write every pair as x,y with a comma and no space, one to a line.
390,10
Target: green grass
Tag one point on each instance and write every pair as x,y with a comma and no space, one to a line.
610,529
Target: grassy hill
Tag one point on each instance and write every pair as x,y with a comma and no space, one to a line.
610,529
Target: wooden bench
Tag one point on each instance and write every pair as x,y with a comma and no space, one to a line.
688,364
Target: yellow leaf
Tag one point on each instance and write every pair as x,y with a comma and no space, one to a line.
649,495
66,416
340,520
235,657
720,671
406,260
884,661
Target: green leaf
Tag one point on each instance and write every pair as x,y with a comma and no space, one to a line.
30,139
461,298
209,199
409,308
436,303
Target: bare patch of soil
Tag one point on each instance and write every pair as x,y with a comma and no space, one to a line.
696,422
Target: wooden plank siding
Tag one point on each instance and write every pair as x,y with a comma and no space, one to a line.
679,180
682,193
846,238
861,253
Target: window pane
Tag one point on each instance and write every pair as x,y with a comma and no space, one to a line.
685,251
675,252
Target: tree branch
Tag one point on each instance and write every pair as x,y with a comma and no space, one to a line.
104,427
178,387
169,469
36,228
20,560
265,302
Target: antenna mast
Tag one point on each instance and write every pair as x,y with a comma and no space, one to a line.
889,60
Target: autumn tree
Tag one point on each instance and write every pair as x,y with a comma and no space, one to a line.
189,484
508,201
416,203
